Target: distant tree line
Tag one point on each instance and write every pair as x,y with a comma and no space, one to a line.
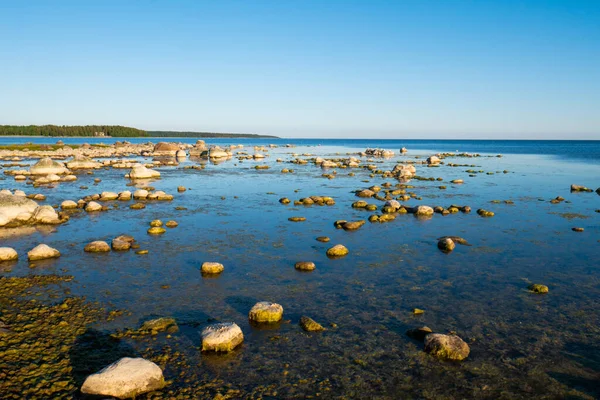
56,130
206,134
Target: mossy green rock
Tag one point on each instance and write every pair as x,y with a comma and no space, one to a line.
448,347
537,288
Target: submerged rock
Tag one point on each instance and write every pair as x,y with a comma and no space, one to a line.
537,288
126,378
160,325
266,311
446,245
42,252
419,333
449,347
310,325
223,337
352,225
579,188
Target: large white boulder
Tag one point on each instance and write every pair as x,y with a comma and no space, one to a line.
124,379
141,172
42,252
8,254
12,207
83,162
47,166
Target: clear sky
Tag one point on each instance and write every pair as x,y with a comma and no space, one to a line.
303,68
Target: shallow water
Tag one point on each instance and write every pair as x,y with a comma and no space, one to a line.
522,345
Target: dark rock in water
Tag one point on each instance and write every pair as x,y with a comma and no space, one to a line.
305,266
577,229
449,347
419,333
446,245
537,288
485,213
284,200
310,325
579,188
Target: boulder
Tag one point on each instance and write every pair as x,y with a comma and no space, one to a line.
15,209
422,211
83,162
180,154
141,172
223,337
537,288
404,171
449,347
338,250
68,205
164,148
266,311
8,254
97,246
124,379
42,252
104,196
212,268
92,206
47,166
140,194
160,325
46,215
433,160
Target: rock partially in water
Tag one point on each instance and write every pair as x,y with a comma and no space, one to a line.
46,215
305,266
433,160
297,219
422,211
97,246
68,205
141,172
449,347
15,210
446,245
222,337
323,239
47,166
577,229
310,325
338,250
165,148
83,162
119,244
579,188
212,268
92,206
485,213
537,288
353,225
42,252
156,230
160,325
124,379
8,254
156,222
266,311
419,333
171,224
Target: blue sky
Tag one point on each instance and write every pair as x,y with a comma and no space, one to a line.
386,69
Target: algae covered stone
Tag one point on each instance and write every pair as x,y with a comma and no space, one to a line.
446,245
222,337
449,347
310,325
265,311
160,325
126,378
339,250
537,288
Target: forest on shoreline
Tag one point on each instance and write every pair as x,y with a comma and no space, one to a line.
109,131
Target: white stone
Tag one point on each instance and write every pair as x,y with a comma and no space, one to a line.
141,172
221,337
8,254
42,252
126,378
